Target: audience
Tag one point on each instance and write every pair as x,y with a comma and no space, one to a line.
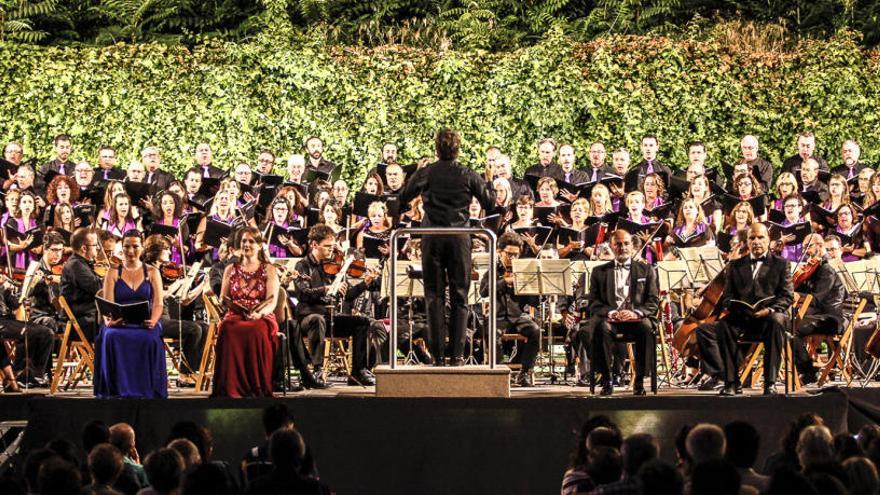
164,468
287,452
187,450
743,442
105,466
123,438
704,443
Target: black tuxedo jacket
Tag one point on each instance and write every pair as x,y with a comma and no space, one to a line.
763,171
160,178
773,279
55,166
519,187
827,290
539,170
844,170
643,290
635,176
112,174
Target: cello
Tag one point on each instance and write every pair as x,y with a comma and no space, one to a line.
684,339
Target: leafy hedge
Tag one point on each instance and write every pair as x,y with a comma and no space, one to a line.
272,93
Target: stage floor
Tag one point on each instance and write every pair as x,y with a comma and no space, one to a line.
366,444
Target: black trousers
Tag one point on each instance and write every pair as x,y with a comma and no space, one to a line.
526,327
33,345
603,331
810,325
710,355
356,327
771,330
582,346
192,336
446,260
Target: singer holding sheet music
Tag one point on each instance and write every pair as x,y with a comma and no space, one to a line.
763,280
446,188
130,355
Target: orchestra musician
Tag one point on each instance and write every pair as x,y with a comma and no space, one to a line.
79,282
623,296
512,314
825,313
33,342
761,279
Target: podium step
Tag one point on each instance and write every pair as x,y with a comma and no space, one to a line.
431,381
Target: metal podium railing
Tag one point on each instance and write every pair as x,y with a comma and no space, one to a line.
392,341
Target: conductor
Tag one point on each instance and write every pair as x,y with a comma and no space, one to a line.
446,188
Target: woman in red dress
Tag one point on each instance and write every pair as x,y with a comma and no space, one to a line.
246,338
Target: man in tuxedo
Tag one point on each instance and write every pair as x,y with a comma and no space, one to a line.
151,159
106,169
825,313
850,152
61,163
759,167
809,176
204,159
79,284
545,166
512,315
315,149
447,189
806,150
762,279
623,297
566,163
649,165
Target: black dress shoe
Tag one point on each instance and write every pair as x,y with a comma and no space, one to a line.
770,390
310,382
639,391
524,379
363,378
729,390
459,361
318,376
809,378
712,383
607,389
291,387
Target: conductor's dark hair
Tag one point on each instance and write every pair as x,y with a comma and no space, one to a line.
78,239
447,144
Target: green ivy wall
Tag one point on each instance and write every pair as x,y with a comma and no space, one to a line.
244,97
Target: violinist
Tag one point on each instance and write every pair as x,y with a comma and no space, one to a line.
314,303
816,276
512,315
79,283
33,338
47,285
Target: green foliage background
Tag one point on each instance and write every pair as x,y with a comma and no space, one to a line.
272,93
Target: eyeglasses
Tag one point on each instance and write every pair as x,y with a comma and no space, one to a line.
511,254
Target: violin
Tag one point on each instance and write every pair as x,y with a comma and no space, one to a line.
171,271
357,267
804,272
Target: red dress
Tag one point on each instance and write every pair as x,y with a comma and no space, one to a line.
245,348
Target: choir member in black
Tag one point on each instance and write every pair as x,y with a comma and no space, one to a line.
649,165
762,279
518,187
758,166
850,152
314,147
623,296
314,303
61,163
13,153
340,193
567,171
512,313
204,163
157,252
106,169
155,175
545,166
809,178
192,180
84,176
598,169
446,188
79,283
825,313
806,143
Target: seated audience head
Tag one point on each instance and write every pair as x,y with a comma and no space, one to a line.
579,454
846,446
123,438
861,476
287,449
105,464
207,479
275,417
187,450
604,465
867,434
58,477
705,442
195,433
743,442
637,450
32,467
815,446
604,437
164,468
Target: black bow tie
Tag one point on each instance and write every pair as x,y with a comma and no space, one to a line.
621,266
762,259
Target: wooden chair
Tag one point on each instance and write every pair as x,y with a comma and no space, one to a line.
756,369
206,367
76,355
337,355
839,346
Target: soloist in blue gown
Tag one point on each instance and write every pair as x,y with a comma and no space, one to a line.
130,360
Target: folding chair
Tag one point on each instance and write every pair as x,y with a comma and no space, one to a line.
81,353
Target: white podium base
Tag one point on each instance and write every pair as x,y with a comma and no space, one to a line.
446,381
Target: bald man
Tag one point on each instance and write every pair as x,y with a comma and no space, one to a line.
761,279
624,298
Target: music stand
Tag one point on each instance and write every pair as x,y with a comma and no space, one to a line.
672,276
586,268
703,263
543,278
409,285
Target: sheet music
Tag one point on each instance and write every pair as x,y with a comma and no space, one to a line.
406,287
584,267
703,263
537,277
673,275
